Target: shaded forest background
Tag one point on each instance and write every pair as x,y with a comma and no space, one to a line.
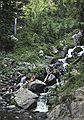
41,23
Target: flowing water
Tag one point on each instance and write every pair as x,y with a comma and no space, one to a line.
42,107
42,104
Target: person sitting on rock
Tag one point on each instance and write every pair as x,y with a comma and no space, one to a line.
52,77
48,71
49,74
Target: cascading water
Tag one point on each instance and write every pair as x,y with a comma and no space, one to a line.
42,104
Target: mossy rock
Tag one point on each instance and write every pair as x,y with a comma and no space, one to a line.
78,49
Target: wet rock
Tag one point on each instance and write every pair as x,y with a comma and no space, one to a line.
81,53
76,51
41,116
64,51
37,86
58,64
25,98
77,38
7,96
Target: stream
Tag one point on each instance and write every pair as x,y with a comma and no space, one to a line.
14,113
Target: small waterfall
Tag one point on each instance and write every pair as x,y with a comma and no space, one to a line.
70,52
42,104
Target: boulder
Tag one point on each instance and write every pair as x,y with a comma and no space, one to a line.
77,38
25,98
64,51
62,111
79,92
37,86
54,114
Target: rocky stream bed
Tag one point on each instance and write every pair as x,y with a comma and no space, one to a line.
28,100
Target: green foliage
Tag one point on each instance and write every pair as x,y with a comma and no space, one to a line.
48,21
42,21
9,10
40,73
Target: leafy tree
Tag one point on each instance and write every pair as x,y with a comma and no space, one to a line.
9,10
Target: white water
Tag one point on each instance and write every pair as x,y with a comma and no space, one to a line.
42,101
63,60
42,104
69,55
